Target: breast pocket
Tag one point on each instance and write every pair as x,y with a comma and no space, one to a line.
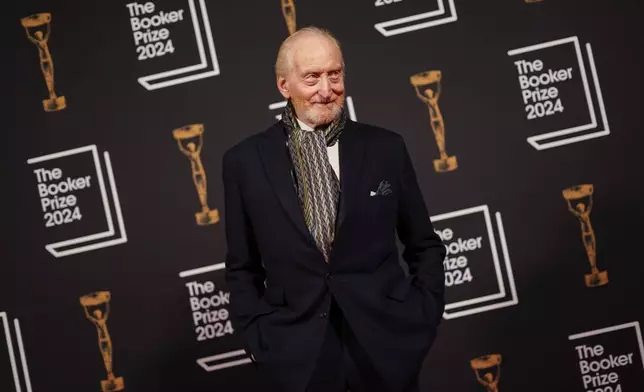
379,198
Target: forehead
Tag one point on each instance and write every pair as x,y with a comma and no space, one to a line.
314,51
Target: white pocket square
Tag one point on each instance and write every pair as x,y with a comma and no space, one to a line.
384,189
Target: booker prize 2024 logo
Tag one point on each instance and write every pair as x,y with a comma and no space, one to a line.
476,281
556,93
580,204
10,366
209,301
610,359
487,370
190,141
38,28
402,16
165,38
97,309
428,90
74,201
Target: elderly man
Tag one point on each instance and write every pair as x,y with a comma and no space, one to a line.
312,206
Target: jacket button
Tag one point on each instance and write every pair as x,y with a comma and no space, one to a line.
323,315
328,276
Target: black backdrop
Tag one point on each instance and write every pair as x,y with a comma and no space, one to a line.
49,344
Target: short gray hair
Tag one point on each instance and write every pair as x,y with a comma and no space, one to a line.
283,62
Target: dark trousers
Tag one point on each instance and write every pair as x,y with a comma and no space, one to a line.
343,365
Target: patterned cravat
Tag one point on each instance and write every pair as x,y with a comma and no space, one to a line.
318,186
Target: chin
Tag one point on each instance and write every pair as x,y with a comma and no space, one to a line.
324,116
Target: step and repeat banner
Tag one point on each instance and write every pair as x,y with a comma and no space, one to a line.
522,118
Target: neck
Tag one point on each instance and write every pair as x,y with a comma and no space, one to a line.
302,121
311,126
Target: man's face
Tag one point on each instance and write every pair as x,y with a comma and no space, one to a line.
315,80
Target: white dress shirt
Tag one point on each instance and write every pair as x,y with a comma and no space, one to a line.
333,152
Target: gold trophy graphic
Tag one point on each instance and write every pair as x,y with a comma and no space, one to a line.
490,368
97,309
190,141
580,204
428,90
288,10
38,27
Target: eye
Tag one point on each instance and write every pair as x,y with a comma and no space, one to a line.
310,78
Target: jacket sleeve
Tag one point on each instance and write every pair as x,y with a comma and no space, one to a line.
424,251
245,274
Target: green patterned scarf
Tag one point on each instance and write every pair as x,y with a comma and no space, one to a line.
318,188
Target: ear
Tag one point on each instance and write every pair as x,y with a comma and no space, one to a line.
283,86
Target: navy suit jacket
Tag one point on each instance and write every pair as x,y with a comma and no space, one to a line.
280,285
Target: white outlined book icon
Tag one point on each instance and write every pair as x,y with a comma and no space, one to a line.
544,99
478,273
412,15
73,193
206,67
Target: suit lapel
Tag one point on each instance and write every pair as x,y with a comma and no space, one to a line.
277,164
351,154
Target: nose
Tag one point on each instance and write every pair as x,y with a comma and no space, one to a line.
325,88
